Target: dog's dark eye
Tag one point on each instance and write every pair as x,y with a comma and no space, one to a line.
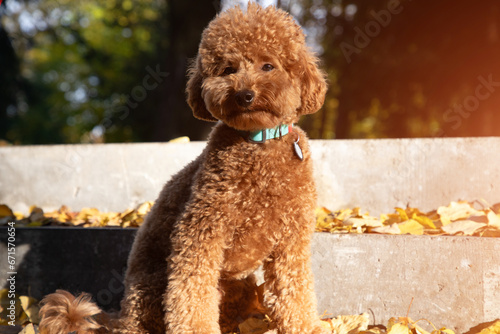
267,67
229,70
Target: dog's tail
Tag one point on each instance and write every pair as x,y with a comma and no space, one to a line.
63,313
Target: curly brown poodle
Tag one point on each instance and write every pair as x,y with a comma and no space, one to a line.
246,201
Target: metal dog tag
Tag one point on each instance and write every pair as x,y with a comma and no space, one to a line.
297,149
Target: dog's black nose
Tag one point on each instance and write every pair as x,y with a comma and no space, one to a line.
245,97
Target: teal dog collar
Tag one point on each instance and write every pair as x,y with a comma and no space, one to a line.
261,136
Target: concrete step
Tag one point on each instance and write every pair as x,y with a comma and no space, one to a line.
455,281
376,175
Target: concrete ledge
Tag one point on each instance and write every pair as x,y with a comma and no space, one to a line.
110,177
376,175
455,280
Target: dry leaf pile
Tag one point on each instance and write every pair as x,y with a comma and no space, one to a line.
26,311
87,217
458,218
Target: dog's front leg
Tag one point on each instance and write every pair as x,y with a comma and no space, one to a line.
191,300
290,288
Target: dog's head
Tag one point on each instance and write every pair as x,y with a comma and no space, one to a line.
254,71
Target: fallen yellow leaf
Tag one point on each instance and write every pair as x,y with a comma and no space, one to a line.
5,303
183,139
405,325
493,329
387,229
465,227
360,222
402,214
324,219
455,211
411,227
30,329
30,307
144,208
493,219
346,213
326,324
423,220
373,330
392,218
349,323
398,328
443,330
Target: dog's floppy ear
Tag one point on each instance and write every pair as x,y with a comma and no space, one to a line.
313,84
193,90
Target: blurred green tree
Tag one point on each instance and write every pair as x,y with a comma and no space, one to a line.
108,70
101,70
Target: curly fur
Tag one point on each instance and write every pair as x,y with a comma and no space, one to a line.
246,41
239,205
63,314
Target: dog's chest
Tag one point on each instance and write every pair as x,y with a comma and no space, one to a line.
270,197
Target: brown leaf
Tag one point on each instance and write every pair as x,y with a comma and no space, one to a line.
387,229
493,329
360,222
254,326
465,227
36,214
5,211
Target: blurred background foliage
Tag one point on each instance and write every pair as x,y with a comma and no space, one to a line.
114,71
